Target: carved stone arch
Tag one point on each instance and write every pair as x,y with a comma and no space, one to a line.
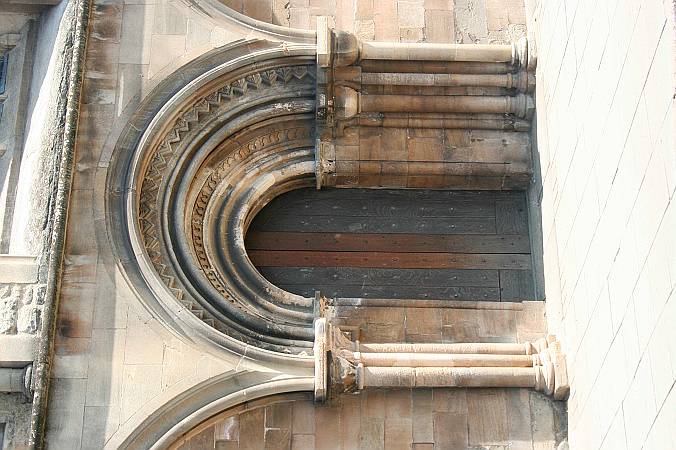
207,149
170,417
218,14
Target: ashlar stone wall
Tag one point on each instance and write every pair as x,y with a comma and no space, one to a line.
461,21
115,363
605,117
420,419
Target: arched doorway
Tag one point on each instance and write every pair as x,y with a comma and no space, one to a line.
396,244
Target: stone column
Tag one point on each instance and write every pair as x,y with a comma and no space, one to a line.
421,115
342,365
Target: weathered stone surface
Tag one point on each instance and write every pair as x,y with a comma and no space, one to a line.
20,308
9,304
29,320
128,364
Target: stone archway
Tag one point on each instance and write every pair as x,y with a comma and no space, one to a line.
215,144
190,171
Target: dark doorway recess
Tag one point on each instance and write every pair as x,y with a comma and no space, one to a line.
408,244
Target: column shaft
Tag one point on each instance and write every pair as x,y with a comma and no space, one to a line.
441,79
441,121
442,360
519,377
442,104
470,348
466,67
436,52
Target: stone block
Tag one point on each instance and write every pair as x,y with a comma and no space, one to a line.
418,446
411,35
422,416
487,417
327,428
110,306
302,442
226,445
258,9
350,417
542,420
106,365
140,384
439,5
277,439
164,50
372,434
66,412
169,20
106,22
279,415
18,269
303,418
17,350
299,18
135,39
519,419
373,404
385,19
237,5
9,307
398,433
130,84
280,12
227,429
364,10
81,235
365,29
439,26
449,400
470,21
180,362
450,430
203,439
344,14
423,321
143,345
76,309
398,404
71,357
100,422
425,149
411,13
80,268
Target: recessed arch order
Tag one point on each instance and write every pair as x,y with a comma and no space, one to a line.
204,152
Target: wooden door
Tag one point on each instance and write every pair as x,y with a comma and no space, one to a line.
408,244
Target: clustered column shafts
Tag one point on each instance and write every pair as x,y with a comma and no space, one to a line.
444,104
506,80
437,52
343,365
374,86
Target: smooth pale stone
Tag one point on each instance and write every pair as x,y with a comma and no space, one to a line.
447,377
470,348
18,269
442,360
